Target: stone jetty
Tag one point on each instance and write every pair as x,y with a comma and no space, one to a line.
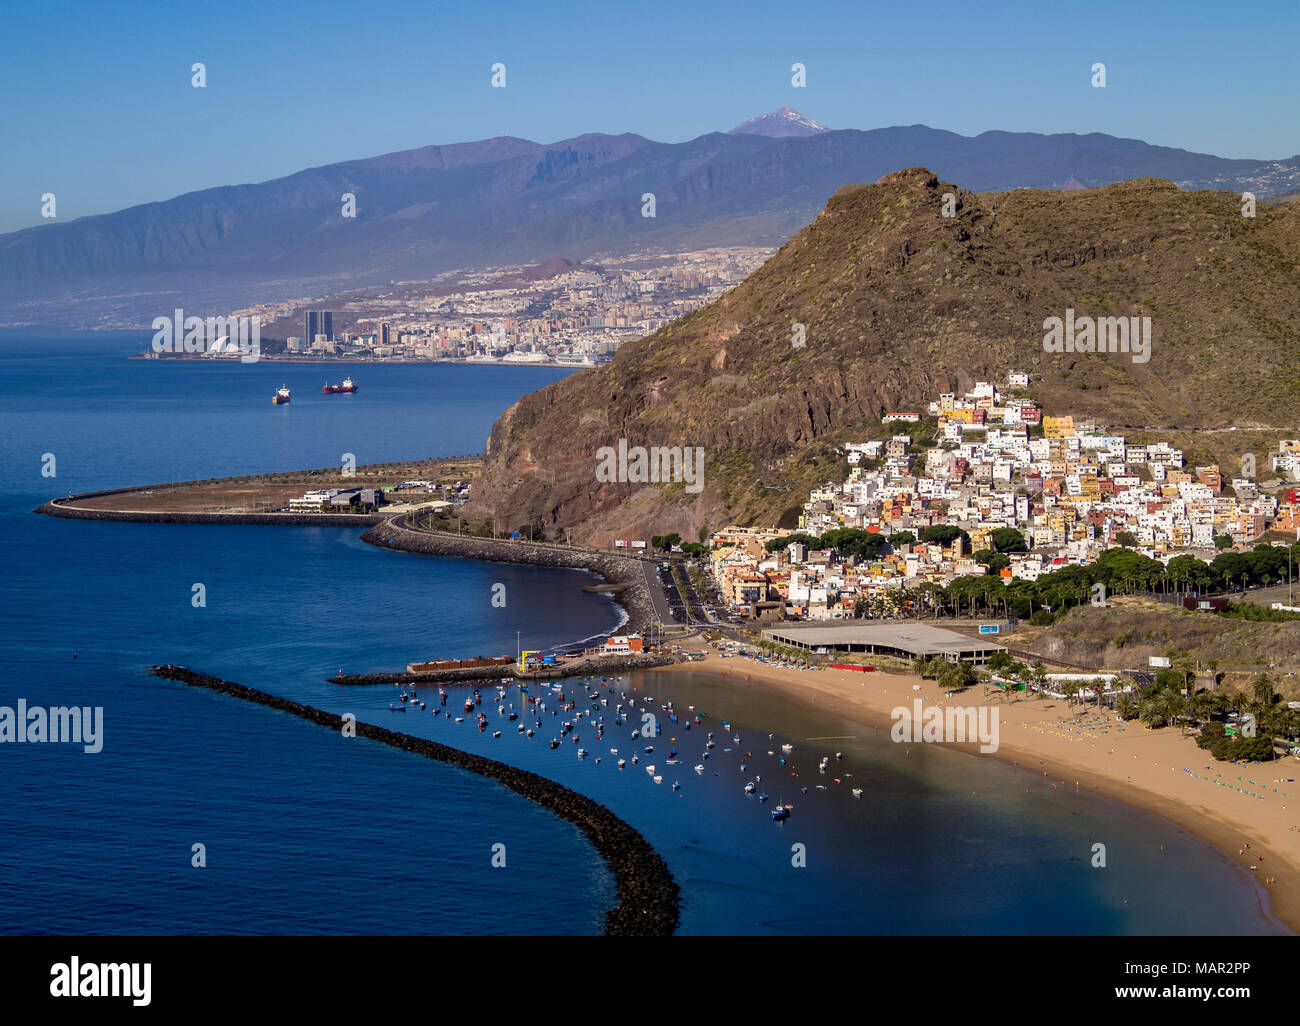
600,666
648,895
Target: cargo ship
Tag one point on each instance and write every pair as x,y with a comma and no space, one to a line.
348,386
282,395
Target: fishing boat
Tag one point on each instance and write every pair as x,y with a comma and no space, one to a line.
282,395
348,386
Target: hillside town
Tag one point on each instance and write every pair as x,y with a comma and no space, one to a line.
986,482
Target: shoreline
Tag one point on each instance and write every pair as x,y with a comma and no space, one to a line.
621,576
649,898
624,580
1028,743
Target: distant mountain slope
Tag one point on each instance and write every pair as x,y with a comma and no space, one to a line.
780,124
509,200
901,303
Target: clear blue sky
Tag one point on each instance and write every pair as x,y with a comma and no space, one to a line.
96,104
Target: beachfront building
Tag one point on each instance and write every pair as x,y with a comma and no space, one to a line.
623,644
900,640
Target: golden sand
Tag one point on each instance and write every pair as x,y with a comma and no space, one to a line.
1229,806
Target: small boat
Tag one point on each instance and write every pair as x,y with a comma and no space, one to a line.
763,797
839,755
780,813
857,792
460,719
496,733
282,395
699,768
749,788
676,786
582,753
787,749
622,763
635,759
659,780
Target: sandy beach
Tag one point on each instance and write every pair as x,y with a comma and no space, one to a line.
1162,771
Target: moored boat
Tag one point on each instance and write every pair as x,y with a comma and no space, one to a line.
348,386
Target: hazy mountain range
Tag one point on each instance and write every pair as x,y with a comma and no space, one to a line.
508,200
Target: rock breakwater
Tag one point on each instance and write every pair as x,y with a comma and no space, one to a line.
648,895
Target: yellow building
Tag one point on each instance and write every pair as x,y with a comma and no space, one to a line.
1058,427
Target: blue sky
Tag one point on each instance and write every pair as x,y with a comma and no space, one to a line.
96,104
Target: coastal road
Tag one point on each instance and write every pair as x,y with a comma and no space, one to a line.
650,571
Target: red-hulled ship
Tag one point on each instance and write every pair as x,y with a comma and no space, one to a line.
348,386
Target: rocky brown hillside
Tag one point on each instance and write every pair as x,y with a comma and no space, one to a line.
1124,634
900,303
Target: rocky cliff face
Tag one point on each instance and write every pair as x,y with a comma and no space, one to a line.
883,302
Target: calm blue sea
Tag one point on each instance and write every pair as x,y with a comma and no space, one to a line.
306,832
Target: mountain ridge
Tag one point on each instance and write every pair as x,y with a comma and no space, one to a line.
899,304
506,200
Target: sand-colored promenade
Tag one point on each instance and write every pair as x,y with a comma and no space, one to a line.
1162,771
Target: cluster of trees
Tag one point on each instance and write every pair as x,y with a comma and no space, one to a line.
847,541
665,542
1119,570
952,676
853,541
1162,703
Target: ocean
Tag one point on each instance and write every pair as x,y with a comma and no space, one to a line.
305,832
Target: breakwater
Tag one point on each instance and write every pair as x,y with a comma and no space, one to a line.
622,573
55,508
648,895
600,665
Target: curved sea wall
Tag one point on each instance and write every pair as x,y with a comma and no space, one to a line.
55,509
623,572
648,895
